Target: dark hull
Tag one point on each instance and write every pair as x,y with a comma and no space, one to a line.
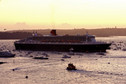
63,47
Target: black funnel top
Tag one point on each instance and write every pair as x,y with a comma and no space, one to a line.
53,32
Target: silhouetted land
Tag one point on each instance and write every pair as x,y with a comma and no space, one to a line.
14,35
97,32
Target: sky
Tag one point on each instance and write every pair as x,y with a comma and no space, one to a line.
49,14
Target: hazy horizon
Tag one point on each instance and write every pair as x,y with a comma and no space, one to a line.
49,14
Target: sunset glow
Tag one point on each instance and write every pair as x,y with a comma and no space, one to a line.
62,13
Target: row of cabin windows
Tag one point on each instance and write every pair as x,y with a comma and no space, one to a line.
61,39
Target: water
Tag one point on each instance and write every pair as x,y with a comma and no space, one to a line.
92,68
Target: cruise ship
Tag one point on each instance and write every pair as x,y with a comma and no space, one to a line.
62,43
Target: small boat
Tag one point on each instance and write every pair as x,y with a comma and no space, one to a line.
5,54
40,57
71,67
62,60
124,49
65,56
2,62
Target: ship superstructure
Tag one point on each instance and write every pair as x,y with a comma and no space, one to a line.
54,42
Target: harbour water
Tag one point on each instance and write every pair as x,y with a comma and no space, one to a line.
92,68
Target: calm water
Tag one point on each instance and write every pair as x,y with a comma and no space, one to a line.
91,67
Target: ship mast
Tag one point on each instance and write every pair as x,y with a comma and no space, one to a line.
86,36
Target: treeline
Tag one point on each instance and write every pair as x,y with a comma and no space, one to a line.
104,32
97,32
14,35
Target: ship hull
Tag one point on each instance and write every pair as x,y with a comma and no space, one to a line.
62,47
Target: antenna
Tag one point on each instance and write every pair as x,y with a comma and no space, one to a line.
86,36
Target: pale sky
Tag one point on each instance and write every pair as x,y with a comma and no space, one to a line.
39,14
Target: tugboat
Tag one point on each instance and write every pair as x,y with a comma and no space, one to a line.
71,67
54,42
